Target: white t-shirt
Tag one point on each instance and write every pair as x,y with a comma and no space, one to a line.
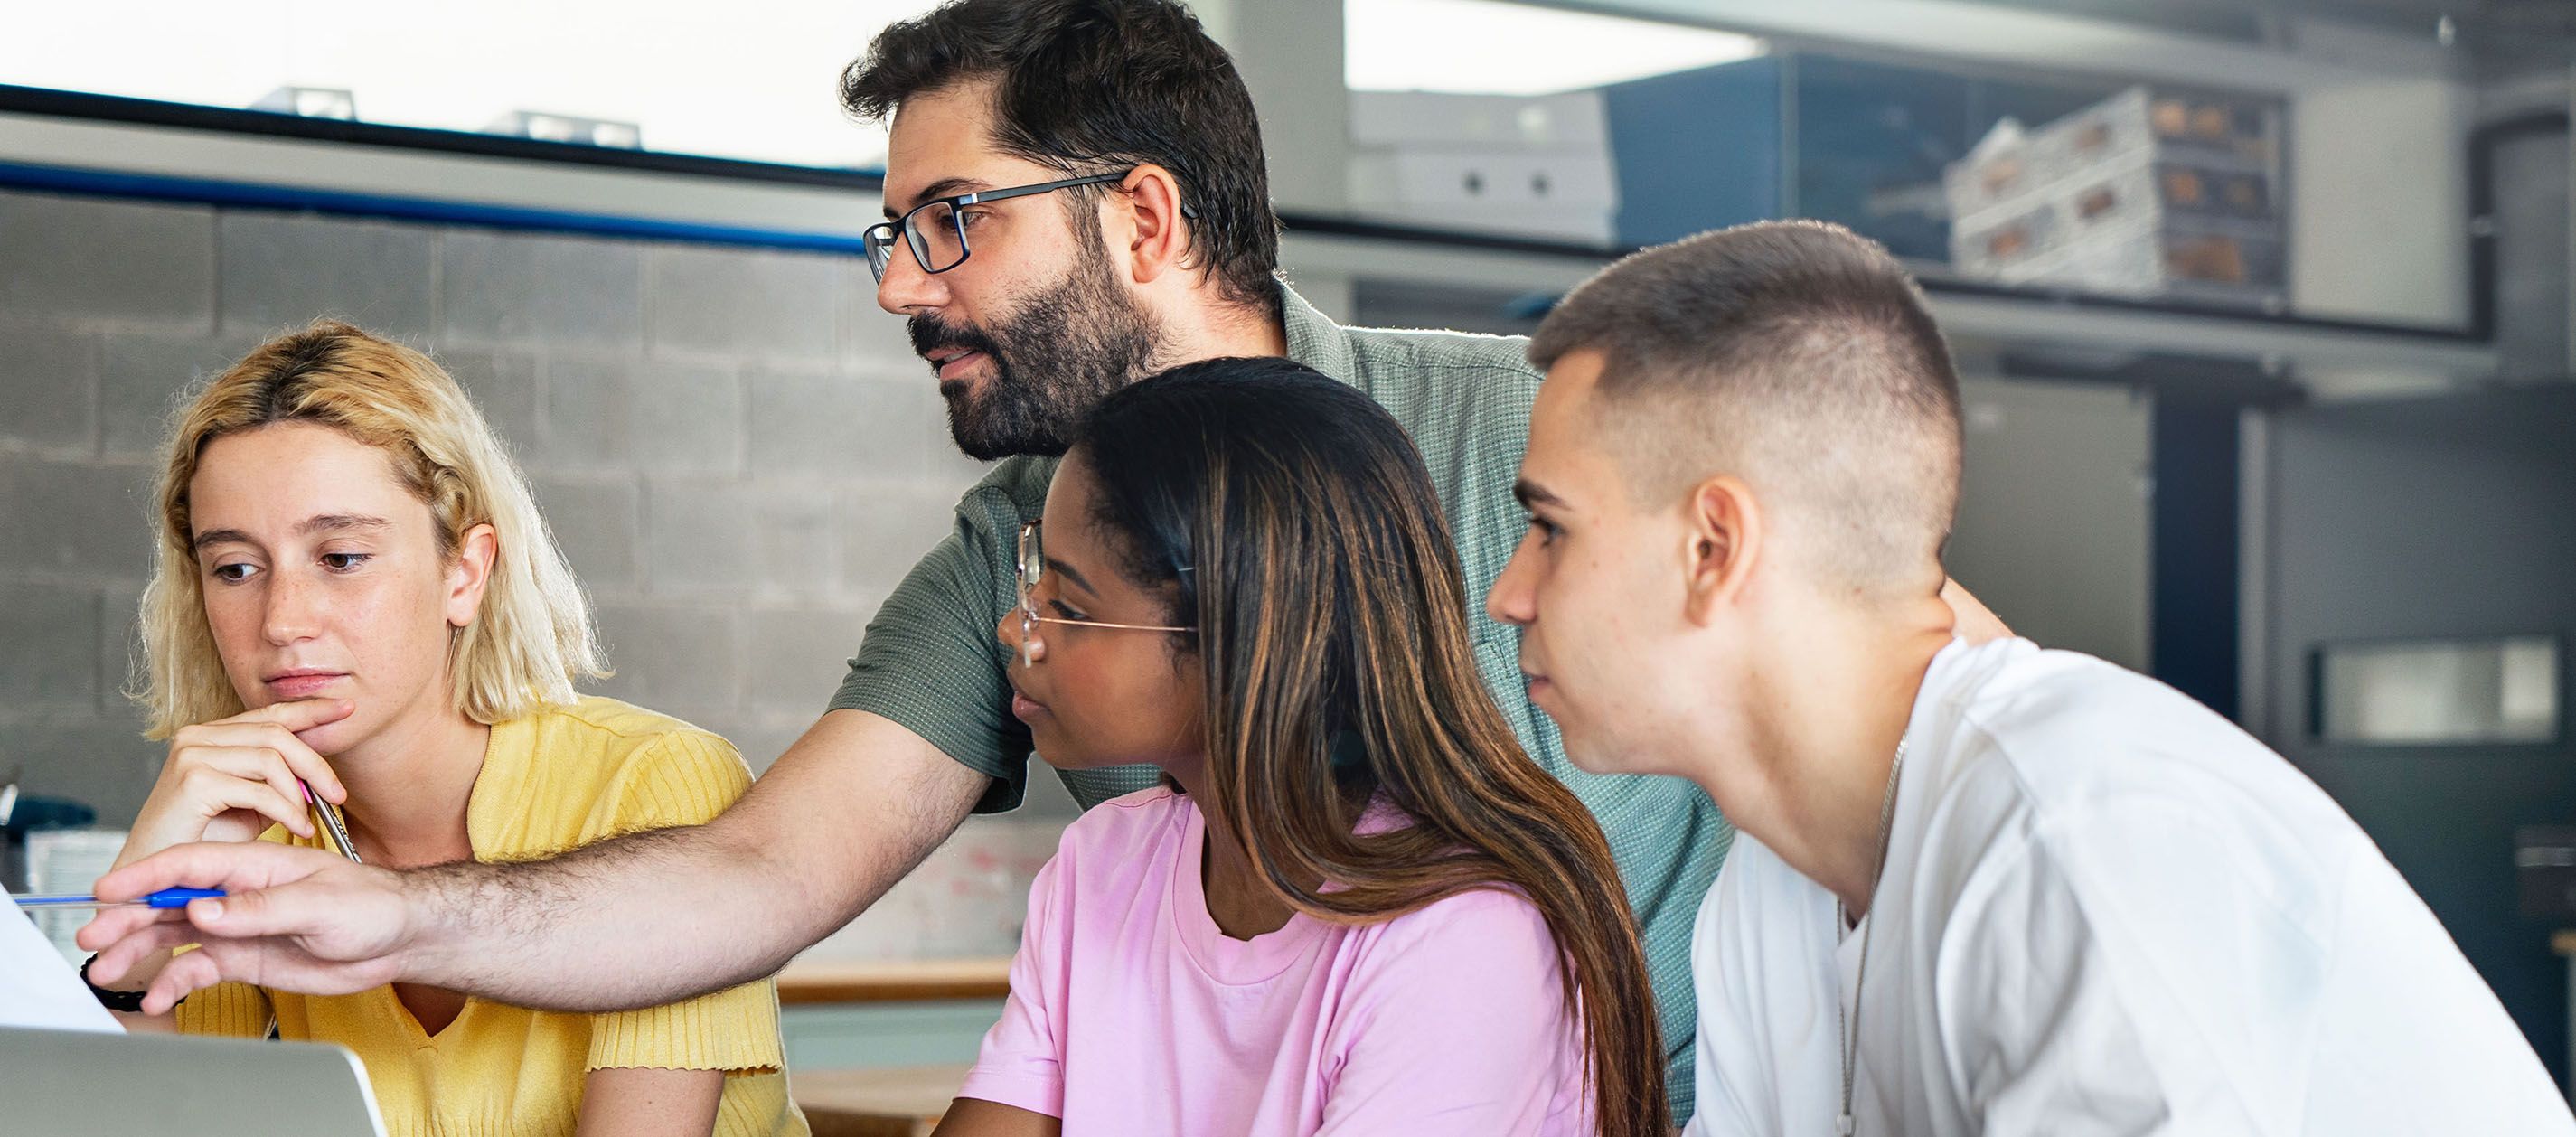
2105,910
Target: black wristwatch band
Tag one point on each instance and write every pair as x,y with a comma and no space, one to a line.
129,1001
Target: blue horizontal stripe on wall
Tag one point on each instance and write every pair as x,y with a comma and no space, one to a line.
252,195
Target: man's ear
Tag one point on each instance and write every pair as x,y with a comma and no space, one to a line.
1158,223
1723,531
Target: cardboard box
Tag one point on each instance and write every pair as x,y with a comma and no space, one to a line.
1516,166
1512,179
2141,195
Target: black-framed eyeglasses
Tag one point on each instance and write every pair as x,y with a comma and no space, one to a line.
936,229
1032,570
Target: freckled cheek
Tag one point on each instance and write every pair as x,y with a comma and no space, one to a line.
234,619
395,632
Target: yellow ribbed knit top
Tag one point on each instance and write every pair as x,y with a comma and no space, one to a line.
554,780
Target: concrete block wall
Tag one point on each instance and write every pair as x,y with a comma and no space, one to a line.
737,450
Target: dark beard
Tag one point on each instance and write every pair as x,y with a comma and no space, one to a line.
1065,348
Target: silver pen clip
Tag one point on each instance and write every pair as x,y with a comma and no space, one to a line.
334,828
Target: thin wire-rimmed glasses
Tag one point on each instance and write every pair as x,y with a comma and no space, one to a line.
936,229
1033,570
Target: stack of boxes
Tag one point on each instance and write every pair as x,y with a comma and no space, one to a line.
2146,194
1509,165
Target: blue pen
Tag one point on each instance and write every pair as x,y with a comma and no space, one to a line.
166,898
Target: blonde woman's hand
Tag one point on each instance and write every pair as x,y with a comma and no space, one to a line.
227,780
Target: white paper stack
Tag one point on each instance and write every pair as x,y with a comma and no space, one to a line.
38,989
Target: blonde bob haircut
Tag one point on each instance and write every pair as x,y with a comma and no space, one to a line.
532,638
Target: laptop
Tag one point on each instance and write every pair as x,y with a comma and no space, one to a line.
167,1085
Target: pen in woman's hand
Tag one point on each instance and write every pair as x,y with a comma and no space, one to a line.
334,828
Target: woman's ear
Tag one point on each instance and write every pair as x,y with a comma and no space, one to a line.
1159,223
470,573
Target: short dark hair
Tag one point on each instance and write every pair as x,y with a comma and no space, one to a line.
1083,84
1796,354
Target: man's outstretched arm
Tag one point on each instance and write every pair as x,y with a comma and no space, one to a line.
630,922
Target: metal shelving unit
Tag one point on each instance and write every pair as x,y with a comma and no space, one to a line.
59,142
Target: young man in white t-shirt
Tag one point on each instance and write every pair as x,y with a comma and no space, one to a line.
1979,889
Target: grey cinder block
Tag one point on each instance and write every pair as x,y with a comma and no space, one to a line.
701,537
143,380
744,541
529,289
281,271
688,418
873,340
795,659
798,547
48,390
743,304
597,523
812,423
82,521
887,527
505,388
586,414
674,659
49,648
113,261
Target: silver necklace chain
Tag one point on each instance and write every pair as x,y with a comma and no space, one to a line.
1850,1020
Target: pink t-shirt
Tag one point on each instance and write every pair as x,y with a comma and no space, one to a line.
1131,1014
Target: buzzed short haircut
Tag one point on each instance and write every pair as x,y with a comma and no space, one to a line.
1796,355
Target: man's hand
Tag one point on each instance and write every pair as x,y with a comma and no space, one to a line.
301,919
632,921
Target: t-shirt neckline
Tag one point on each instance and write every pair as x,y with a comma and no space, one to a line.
1224,959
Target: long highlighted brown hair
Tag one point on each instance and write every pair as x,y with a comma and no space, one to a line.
1290,521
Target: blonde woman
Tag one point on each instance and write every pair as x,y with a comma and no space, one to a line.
353,591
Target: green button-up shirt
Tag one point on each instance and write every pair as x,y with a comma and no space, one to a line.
930,660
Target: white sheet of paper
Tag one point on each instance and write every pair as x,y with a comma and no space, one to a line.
37,989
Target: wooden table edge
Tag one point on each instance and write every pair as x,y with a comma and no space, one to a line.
893,981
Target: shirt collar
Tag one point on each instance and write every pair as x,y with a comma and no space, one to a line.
1316,341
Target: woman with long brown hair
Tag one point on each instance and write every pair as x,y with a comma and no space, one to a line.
1352,905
